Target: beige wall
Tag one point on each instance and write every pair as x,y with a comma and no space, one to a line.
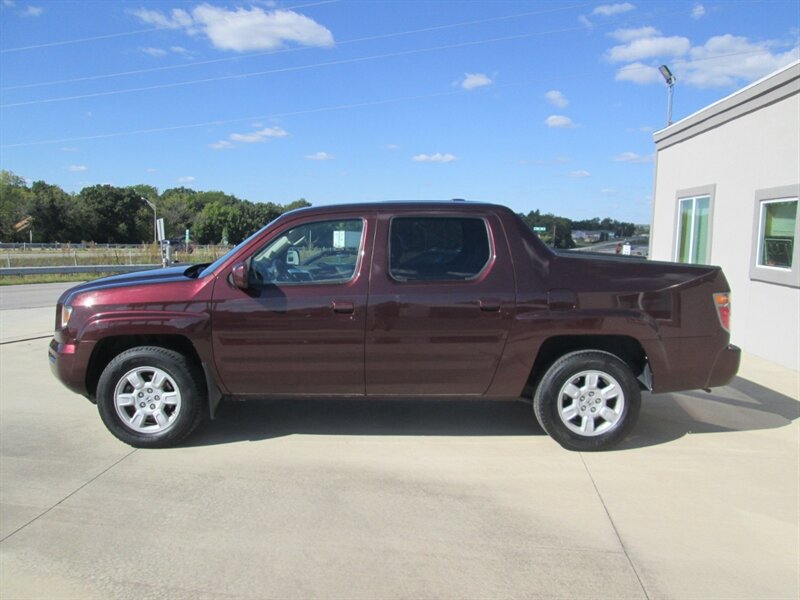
757,150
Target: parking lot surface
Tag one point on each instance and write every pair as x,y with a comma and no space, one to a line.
359,499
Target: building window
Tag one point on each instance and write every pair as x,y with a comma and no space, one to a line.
776,231
693,229
775,253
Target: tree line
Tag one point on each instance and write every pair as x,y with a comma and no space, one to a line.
42,212
563,227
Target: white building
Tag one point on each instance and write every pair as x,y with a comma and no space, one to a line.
726,193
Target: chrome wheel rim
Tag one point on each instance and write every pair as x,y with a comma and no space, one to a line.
148,400
591,403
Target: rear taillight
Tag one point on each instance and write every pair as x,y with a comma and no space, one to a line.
723,304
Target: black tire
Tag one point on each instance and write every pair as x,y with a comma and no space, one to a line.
600,383
163,407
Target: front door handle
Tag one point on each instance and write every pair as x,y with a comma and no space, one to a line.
343,307
489,304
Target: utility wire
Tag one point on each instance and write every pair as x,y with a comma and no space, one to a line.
287,50
80,40
334,108
291,69
120,34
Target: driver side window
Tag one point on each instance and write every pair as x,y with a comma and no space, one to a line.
320,252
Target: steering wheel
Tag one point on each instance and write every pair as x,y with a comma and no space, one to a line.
281,271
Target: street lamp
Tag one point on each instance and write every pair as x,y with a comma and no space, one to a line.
155,220
670,79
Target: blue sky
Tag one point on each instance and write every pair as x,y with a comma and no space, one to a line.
536,105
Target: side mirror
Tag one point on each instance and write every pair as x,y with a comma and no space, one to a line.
292,257
239,276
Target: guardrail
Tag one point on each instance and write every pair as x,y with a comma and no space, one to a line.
77,269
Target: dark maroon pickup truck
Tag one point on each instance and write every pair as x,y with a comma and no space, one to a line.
424,300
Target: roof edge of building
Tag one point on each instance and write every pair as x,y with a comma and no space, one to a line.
775,86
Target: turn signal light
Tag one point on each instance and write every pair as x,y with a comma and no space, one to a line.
66,313
723,304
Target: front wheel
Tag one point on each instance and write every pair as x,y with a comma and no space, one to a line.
587,400
150,397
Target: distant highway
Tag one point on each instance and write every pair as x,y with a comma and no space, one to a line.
39,295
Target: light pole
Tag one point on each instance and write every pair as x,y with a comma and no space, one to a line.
155,220
670,79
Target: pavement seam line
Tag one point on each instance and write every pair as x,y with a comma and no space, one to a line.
68,496
614,527
30,339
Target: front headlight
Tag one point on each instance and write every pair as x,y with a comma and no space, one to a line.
66,313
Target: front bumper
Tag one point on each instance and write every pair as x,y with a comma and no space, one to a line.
69,362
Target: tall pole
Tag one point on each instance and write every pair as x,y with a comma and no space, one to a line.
670,80
669,102
155,219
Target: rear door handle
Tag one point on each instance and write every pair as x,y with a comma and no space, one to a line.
342,307
489,304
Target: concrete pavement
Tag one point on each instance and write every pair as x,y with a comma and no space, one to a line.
397,499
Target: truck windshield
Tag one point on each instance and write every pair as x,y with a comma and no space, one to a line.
217,263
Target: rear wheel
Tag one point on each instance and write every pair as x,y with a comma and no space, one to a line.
150,397
587,400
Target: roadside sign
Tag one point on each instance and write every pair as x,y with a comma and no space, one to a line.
160,230
540,228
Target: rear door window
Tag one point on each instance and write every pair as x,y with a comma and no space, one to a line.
438,248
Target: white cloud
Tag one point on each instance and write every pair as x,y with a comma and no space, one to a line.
258,136
583,20
726,60
638,73
151,170
32,11
160,52
319,156
186,179
608,191
253,137
77,168
579,174
698,12
608,10
8,3
559,121
647,129
649,47
556,98
435,158
632,157
69,149
723,61
392,147
628,35
242,29
155,52
177,19
475,80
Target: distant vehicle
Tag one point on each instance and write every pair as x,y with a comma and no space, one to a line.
180,245
424,300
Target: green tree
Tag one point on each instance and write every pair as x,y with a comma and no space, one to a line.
300,203
561,225
14,196
115,215
55,214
